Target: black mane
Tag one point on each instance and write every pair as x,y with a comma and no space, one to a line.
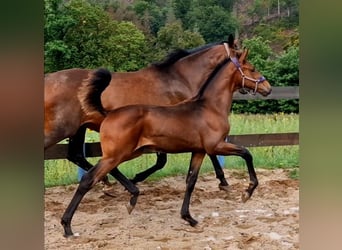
178,54
173,57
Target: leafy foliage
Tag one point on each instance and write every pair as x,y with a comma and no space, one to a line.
259,52
172,36
285,68
127,48
128,35
212,21
79,34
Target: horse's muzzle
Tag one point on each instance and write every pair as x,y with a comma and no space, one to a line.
267,92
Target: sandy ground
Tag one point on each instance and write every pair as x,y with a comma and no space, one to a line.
269,220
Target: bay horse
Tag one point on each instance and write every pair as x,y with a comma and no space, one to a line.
198,125
179,77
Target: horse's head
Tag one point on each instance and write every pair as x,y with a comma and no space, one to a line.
251,81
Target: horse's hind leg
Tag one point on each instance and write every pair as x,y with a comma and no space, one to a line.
226,148
253,180
76,152
161,161
129,186
219,173
195,164
87,182
76,149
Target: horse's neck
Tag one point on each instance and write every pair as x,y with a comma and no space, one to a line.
218,94
195,69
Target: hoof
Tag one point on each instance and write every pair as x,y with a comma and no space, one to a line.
245,197
191,220
105,181
129,208
224,187
109,191
70,236
193,223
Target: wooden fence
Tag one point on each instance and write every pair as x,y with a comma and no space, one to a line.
59,151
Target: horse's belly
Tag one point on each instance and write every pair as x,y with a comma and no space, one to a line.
170,145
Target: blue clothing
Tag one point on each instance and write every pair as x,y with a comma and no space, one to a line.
80,173
220,158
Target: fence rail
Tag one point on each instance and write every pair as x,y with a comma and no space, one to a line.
277,93
59,151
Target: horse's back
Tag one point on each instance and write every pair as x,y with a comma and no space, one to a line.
146,86
68,78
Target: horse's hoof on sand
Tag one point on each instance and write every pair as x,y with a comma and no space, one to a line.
70,236
245,197
129,208
224,188
193,223
108,190
190,220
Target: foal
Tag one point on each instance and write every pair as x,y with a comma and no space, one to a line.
198,125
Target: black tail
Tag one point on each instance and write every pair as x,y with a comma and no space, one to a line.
96,84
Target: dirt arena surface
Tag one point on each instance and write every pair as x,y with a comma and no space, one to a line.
269,220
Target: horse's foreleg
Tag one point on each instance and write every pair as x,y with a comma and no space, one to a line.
129,186
76,152
161,161
195,164
219,173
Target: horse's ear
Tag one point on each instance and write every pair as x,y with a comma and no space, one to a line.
231,41
247,51
243,56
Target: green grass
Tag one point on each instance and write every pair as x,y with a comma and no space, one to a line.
63,172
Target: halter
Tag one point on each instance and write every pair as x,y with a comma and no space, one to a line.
237,64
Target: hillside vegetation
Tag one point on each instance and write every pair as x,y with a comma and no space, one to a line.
127,35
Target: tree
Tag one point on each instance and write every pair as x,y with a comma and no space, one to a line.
181,8
151,13
212,21
172,36
260,52
75,34
127,48
79,34
226,4
285,70
56,26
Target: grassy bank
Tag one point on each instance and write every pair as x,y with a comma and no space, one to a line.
63,172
